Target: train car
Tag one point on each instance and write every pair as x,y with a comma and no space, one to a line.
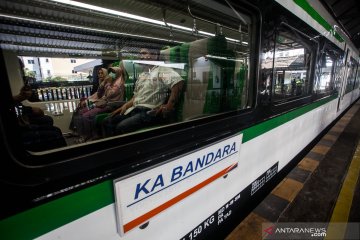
250,86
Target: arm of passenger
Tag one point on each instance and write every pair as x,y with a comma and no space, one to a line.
101,90
18,98
25,93
173,99
114,90
93,97
121,110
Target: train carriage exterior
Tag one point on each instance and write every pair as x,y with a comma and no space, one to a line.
263,80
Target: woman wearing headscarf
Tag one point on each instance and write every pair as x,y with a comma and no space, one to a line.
111,89
85,103
102,74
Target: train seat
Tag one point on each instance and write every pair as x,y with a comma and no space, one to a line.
214,77
204,84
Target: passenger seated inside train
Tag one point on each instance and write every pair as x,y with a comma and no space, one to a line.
37,130
156,92
86,103
95,78
102,73
109,95
178,83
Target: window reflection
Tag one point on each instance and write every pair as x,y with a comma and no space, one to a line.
213,66
291,67
351,72
329,71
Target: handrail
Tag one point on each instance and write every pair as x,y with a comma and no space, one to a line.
61,90
218,24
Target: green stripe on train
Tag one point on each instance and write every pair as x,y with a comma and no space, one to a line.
47,217
317,17
50,216
266,126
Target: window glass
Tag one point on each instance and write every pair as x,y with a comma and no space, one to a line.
351,73
292,62
357,81
267,58
144,72
328,72
339,72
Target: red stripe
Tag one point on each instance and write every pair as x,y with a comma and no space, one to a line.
137,221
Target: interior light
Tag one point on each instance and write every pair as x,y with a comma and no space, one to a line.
77,27
114,12
132,16
108,11
122,14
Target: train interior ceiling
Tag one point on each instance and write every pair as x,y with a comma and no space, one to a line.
84,30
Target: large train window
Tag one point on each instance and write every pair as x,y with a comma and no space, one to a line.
351,74
170,64
293,56
328,76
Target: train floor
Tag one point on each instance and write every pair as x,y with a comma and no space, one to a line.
322,190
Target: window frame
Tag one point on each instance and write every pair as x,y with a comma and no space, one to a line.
66,156
351,72
285,104
357,77
338,55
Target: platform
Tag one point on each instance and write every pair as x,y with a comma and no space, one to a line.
322,188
